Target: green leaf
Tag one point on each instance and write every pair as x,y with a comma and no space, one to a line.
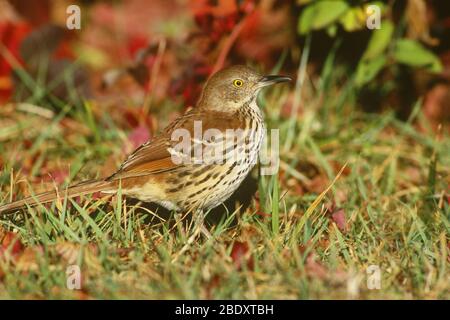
321,14
306,20
368,69
354,19
332,30
383,6
414,54
379,40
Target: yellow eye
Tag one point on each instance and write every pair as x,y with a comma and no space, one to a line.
238,83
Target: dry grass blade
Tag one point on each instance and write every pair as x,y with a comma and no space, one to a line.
313,206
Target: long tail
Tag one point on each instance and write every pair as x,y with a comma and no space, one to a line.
74,191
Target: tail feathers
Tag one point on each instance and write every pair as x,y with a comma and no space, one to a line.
74,191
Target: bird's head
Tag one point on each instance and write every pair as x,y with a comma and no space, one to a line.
230,88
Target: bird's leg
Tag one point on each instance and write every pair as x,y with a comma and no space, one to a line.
200,223
178,219
199,227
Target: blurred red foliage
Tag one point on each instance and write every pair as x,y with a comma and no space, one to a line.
242,256
11,36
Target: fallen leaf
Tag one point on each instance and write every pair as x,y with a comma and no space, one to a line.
11,36
136,138
11,241
68,251
28,259
35,12
437,104
319,183
339,218
315,269
241,255
212,284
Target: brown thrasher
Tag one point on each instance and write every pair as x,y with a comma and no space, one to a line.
198,173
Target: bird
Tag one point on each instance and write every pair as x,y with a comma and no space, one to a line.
192,165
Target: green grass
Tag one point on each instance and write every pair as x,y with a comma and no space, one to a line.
393,190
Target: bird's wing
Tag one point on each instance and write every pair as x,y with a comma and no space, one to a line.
149,158
155,156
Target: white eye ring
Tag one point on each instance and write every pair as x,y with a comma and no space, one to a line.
238,83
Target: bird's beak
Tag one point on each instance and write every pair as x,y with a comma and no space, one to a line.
269,80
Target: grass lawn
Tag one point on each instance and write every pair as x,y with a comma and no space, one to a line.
354,190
